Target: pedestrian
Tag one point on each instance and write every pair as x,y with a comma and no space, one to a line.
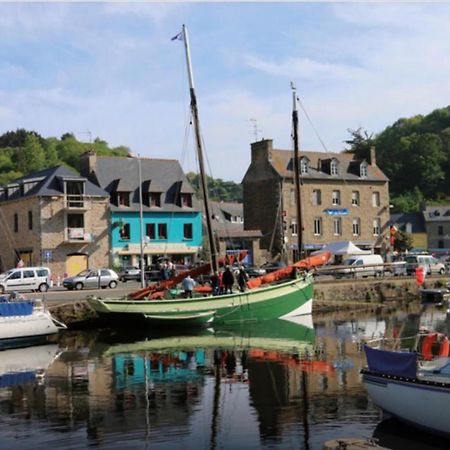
188,285
215,283
242,278
220,282
228,280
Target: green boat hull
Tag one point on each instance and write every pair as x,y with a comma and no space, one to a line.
287,299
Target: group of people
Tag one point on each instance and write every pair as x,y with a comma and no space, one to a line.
222,282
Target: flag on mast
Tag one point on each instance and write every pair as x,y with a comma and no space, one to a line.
178,37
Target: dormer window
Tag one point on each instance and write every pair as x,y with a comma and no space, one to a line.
186,200
154,199
123,199
333,167
303,166
363,170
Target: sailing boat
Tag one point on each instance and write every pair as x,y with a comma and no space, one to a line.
282,300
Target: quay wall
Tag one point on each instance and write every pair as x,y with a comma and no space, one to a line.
356,295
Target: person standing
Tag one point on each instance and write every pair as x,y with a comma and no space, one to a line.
215,283
242,278
228,280
188,285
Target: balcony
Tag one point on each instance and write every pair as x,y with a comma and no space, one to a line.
77,236
75,201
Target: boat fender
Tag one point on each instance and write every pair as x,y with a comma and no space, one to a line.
428,349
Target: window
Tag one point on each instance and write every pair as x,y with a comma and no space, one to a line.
333,167
355,198
123,199
125,232
186,200
336,198
317,226
294,228
30,220
15,275
303,166
292,198
440,243
356,227
316,197
75,220
187,231
162,231
154,199
440,230
363,170
28,274
376,227
337,226
375,199
150,230
16,223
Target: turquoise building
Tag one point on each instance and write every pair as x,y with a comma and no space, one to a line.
171,214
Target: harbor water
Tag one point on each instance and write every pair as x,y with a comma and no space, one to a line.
273,385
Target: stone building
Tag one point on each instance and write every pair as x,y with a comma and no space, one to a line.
54,218
342,198
437,224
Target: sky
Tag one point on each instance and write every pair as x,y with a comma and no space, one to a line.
110,70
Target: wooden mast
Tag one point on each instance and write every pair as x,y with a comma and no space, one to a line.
194,110
297,172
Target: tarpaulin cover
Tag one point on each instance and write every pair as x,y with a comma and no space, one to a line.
16,309
14,379
402,364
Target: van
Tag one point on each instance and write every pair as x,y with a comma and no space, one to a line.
430,263
361,266
25,279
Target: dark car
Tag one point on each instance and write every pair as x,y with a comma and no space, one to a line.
129,273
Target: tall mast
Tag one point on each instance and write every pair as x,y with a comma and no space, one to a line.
297,171
194,110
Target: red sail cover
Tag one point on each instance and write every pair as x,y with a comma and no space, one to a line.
284,272
167,284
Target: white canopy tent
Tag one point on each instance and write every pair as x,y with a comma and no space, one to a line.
343,248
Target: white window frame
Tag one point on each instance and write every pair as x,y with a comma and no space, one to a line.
317,226
334,167
376,227
363,170
337,226
356,226
355,198
294,228
336,197
303,166
376,199
316,197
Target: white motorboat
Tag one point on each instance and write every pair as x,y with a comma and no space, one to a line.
24,322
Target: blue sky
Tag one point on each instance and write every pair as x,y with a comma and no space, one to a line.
111,69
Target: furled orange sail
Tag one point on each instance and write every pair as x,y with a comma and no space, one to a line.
195,272
284,272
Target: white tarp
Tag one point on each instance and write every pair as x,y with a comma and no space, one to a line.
343,248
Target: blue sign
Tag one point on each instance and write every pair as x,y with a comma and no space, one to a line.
47,254
336,211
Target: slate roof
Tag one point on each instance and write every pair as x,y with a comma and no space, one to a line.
437,213
348,167
157,175
49,183
415,219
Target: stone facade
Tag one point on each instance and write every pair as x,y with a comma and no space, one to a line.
38,227
351,204
437,223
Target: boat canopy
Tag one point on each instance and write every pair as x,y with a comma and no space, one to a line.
16,309
401,364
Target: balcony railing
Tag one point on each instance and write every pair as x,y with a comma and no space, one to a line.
77,235
75,201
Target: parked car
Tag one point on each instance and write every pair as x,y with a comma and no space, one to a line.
90,278
361,266
430,263
25,279
129,273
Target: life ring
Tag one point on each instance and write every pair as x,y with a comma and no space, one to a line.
428,349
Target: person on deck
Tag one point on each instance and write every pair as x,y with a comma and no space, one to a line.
242,278
215,283
188,285
228,280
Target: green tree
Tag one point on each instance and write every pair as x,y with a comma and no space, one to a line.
30,157
360,143
403,241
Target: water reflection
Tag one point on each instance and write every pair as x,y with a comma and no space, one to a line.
276,384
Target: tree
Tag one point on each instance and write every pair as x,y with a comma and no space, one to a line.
360,143
30,157
403,241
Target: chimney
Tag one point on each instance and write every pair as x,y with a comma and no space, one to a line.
88,163
262,150
373,157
